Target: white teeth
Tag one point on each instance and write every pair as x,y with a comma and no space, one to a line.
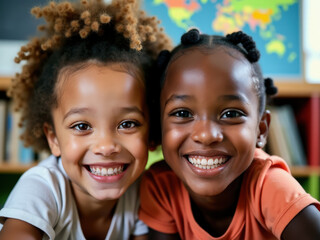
101,171
104,171
204,163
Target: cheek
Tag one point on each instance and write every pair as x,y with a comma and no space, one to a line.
138,146
173,137
245,137
69,141
73,149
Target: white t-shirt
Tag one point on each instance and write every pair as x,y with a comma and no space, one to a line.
43,198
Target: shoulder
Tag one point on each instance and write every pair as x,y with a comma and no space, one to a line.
48,172
273,194
41,197
49,164
44,186
267,180
263,165
268,174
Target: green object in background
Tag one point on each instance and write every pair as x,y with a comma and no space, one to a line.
154,156
314,186
7,182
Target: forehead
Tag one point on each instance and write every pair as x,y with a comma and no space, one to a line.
107,83
93,67
209,75
216,64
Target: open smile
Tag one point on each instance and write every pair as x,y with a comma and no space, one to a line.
107,171
203,162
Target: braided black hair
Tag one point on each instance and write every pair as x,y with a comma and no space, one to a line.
238,41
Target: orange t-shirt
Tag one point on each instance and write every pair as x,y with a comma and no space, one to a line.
269,199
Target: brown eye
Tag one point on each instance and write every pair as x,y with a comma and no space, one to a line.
232,114
82,127
182,114
128,125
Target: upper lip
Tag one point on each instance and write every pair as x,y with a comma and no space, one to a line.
206,153
106,164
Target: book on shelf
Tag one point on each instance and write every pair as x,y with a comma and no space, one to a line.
3,114
8,133
292,136
16,152
276,139
309,121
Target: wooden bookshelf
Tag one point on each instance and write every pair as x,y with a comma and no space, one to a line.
15,168
304,171
296,89
4,83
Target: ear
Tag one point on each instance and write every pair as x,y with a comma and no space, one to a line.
263,129
52,139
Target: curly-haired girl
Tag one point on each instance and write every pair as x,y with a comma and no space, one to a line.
83,94
218,183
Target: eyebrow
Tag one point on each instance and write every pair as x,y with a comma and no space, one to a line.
224,98
83,110
234,98
178,97
75,111
132,109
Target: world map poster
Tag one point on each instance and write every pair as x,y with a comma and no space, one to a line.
275,26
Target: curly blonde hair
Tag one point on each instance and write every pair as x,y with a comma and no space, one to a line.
75,33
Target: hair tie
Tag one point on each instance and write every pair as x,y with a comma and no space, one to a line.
191,37
271,89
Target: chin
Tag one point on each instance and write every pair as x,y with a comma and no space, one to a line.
206,190
207,193
111,194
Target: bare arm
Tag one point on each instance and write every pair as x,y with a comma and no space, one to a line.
17,229
155,235
306,225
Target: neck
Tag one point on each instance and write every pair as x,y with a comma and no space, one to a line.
215,213
95,216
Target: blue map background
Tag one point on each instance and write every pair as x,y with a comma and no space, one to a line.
286,24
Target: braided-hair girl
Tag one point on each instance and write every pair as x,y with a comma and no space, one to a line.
216,182
83,95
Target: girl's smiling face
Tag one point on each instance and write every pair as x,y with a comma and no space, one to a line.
210,120
100,130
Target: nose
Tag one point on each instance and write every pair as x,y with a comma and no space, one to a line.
206,132
105,145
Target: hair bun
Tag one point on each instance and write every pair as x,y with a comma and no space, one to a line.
271,89
191,37
245,42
